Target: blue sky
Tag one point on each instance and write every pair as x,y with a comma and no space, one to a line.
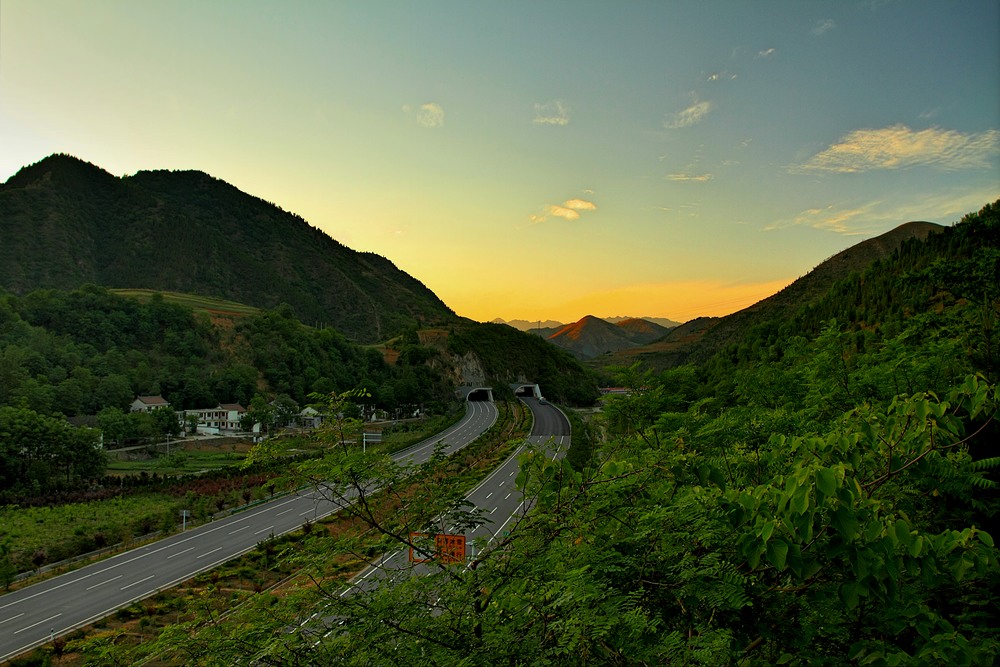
536,160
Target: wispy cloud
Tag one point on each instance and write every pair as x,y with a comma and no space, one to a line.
689,178
823,26
688,116
766,53
551,113
430,114
832,218
898,147
720,76
568,210
875,217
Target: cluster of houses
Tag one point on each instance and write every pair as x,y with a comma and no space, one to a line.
221,420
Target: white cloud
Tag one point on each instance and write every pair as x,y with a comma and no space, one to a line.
720,76
688,116
831,218
824,26
898,147
876,217
766,53
430,114
568,210
580,205
689,178
551,113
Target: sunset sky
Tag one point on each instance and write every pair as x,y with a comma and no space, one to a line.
543,159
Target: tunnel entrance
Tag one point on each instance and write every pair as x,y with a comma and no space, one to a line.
480,394
475,393
526,390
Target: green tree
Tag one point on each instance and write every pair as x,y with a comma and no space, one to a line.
113,425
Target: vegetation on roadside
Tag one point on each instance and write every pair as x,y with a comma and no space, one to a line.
828,496
284,568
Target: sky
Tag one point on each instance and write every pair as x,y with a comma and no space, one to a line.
536,160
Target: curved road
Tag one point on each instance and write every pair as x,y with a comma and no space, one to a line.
35,614
497,498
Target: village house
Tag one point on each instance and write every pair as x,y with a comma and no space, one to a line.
224,418
148,404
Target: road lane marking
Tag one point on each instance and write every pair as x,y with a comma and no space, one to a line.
37,624
11,618
210,552
105,582
180,552
136,583
488,410
134,554
264,530
488,495
284,511
233,532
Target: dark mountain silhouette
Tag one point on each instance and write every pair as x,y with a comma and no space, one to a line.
532,326
642,331
699,339
65,223
660,321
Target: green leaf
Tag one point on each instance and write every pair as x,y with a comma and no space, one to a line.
985,538
766,530
826,481
777,553
873,530
849,592
902,531
799,502
846,523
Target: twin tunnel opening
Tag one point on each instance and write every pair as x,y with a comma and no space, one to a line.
486,393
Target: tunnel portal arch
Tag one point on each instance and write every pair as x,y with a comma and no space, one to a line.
476,393
526,389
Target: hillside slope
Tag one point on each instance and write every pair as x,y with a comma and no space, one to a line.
66,222
699,339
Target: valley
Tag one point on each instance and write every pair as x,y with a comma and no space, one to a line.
809,478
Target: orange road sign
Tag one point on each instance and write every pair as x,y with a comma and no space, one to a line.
445,548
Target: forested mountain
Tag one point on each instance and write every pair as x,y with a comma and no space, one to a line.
65,223
698,340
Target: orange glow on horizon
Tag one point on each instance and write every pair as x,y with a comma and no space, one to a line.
678,301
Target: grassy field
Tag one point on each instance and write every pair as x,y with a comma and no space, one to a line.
60,532
176,463
181,459
203,304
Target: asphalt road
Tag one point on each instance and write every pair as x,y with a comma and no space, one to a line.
34,615
497,497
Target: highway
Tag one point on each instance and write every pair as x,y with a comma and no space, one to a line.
497,497
35,614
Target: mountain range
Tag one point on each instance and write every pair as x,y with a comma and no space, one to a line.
549,327
65,222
